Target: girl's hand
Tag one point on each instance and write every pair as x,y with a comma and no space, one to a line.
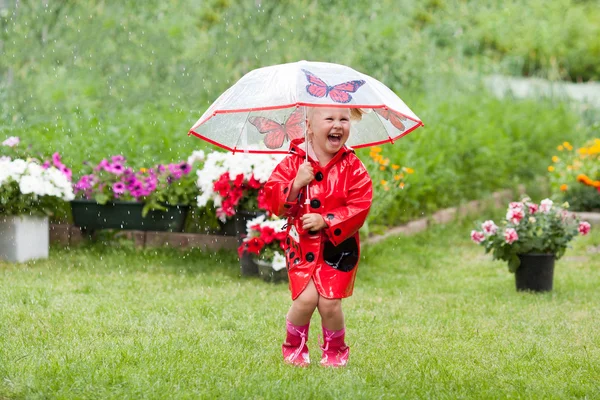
304,176
313,222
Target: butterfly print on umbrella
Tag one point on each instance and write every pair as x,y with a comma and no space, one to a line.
276,133
392,116
339,93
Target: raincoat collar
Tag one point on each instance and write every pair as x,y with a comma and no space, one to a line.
296,149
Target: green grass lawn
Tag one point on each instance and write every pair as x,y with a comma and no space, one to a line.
431,317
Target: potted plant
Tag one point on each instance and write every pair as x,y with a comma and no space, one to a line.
233,183
530,239
264,244
30,192
575,175
115,196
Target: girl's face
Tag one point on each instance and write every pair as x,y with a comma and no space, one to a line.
329,129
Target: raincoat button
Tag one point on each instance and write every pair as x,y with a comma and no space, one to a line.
330,216
310,257
315,203
287,205
337,232
319,176
285,190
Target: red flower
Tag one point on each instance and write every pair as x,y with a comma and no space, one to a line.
222,185
263,204
239,181
254,183
267,234
253,246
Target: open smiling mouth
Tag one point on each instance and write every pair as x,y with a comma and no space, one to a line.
334,138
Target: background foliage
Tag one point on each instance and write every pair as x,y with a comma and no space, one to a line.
96,78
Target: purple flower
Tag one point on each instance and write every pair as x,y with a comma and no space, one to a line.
66,171
104,165
185,168
175,171
119,188
85,183
46,164
116,168
118,159
56,160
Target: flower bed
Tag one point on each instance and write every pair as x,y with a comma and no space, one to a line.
575,175
156,188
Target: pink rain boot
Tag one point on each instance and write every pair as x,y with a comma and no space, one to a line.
335,351
295,350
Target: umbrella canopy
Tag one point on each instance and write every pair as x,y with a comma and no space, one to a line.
266,108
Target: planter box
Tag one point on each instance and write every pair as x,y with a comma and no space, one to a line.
90,216
23,238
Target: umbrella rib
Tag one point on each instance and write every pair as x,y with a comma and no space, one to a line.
242,132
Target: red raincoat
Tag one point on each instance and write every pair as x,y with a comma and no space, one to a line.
341,192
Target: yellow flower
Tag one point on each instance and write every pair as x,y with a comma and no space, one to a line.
143,170
401,185
376,149
560,148
386,188
567,144
550,168
397,177
395,167
382,168
383,182
563,187
385,161
569,167
408,170
555,159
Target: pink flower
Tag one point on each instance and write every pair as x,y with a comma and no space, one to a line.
510,235
515,205
584,228
514,215
11,141
477,236
489,227
546,205
532,208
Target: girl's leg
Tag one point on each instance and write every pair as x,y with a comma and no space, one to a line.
335,351
303,307
332,316
295,350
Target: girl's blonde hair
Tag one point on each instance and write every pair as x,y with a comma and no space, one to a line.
355,113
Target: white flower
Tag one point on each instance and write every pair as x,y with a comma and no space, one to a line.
546,205
197,156
278,261
33,179
11,141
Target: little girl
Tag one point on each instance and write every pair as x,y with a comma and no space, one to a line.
322,245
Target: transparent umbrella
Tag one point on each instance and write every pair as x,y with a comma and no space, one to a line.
266,108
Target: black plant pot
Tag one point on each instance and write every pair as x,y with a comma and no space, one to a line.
536,272
247,265
90,216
